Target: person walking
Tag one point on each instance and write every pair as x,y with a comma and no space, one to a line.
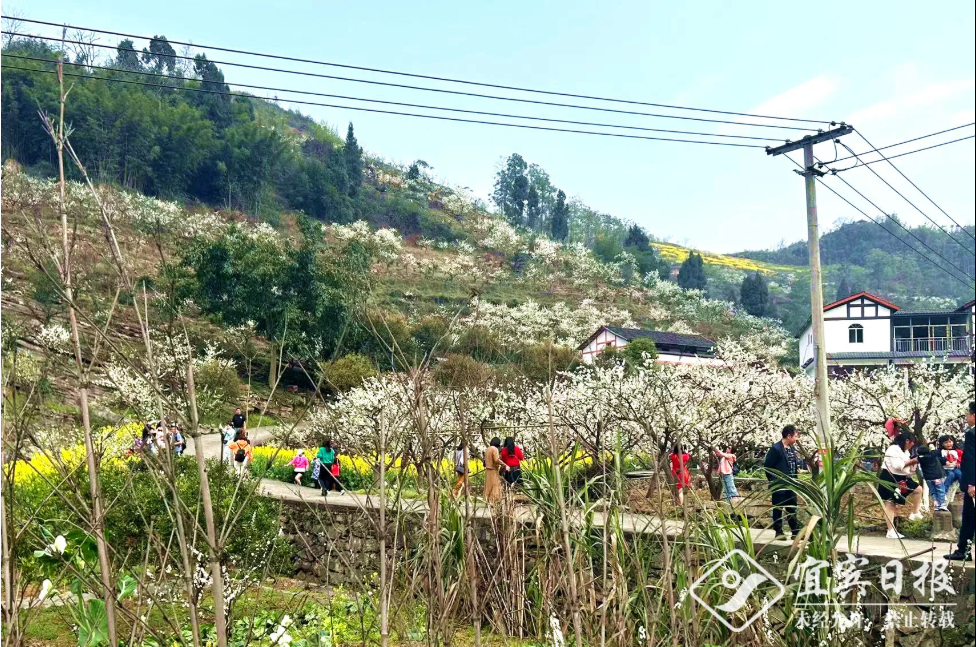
897,487
512,456
460,468
238,421
228,436
493,465
726,469
329,468
300,464
934,475
967,483
179,441
241,453
679,472
782,463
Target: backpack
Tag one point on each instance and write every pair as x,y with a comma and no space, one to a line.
240,455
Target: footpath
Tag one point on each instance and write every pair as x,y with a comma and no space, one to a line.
875,548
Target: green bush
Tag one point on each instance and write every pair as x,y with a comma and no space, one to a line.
348,372
135,506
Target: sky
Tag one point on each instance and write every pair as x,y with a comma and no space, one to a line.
895,70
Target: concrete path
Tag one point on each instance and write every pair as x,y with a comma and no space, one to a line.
878,548
211,442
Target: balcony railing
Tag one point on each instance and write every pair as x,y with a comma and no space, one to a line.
934,344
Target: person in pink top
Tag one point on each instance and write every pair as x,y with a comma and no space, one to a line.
726,462
300,463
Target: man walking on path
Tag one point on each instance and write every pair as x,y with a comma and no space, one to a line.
782,461
967,532
238,421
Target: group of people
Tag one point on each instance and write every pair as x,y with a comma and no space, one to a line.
908,463
503,463
160,437
325,468
908,469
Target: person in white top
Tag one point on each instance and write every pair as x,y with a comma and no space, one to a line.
897,487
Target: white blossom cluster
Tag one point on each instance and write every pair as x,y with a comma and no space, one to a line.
383,244
531,322
134,389
53,337
742,405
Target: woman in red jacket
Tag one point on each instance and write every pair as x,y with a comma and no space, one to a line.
512,458
679,470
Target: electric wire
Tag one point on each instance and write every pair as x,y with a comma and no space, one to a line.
967,282
909,141
891,164
392,112
414,75
438,90
394,103
908,231
859,164
927,217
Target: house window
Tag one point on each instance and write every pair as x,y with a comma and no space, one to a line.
855,334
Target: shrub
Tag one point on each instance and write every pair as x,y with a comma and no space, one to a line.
348,372
135,507
429,333
462,372
540,362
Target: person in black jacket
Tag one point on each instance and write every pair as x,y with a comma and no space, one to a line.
782,461
967,532
934,475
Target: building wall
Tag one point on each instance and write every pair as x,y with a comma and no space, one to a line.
604,339
669,358
837,323
607,338
877,335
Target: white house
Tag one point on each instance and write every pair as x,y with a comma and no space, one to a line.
672,348
865,330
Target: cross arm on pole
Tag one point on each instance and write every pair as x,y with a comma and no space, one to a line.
810,140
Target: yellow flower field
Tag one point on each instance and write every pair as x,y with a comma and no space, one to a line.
42,466
678,254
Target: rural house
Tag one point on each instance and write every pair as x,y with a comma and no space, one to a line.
864,330
672,348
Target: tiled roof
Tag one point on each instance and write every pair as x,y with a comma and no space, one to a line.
663,338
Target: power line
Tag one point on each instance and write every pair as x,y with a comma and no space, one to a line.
908,231
927,217
973,236
438,90
909,141
420,76
891,157
392,112
395,103
966,282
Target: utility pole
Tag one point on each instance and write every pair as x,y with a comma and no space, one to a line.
810,175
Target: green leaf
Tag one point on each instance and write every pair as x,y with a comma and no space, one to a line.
127,586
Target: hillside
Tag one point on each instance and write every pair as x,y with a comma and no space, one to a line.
544,269
862,256
486,301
